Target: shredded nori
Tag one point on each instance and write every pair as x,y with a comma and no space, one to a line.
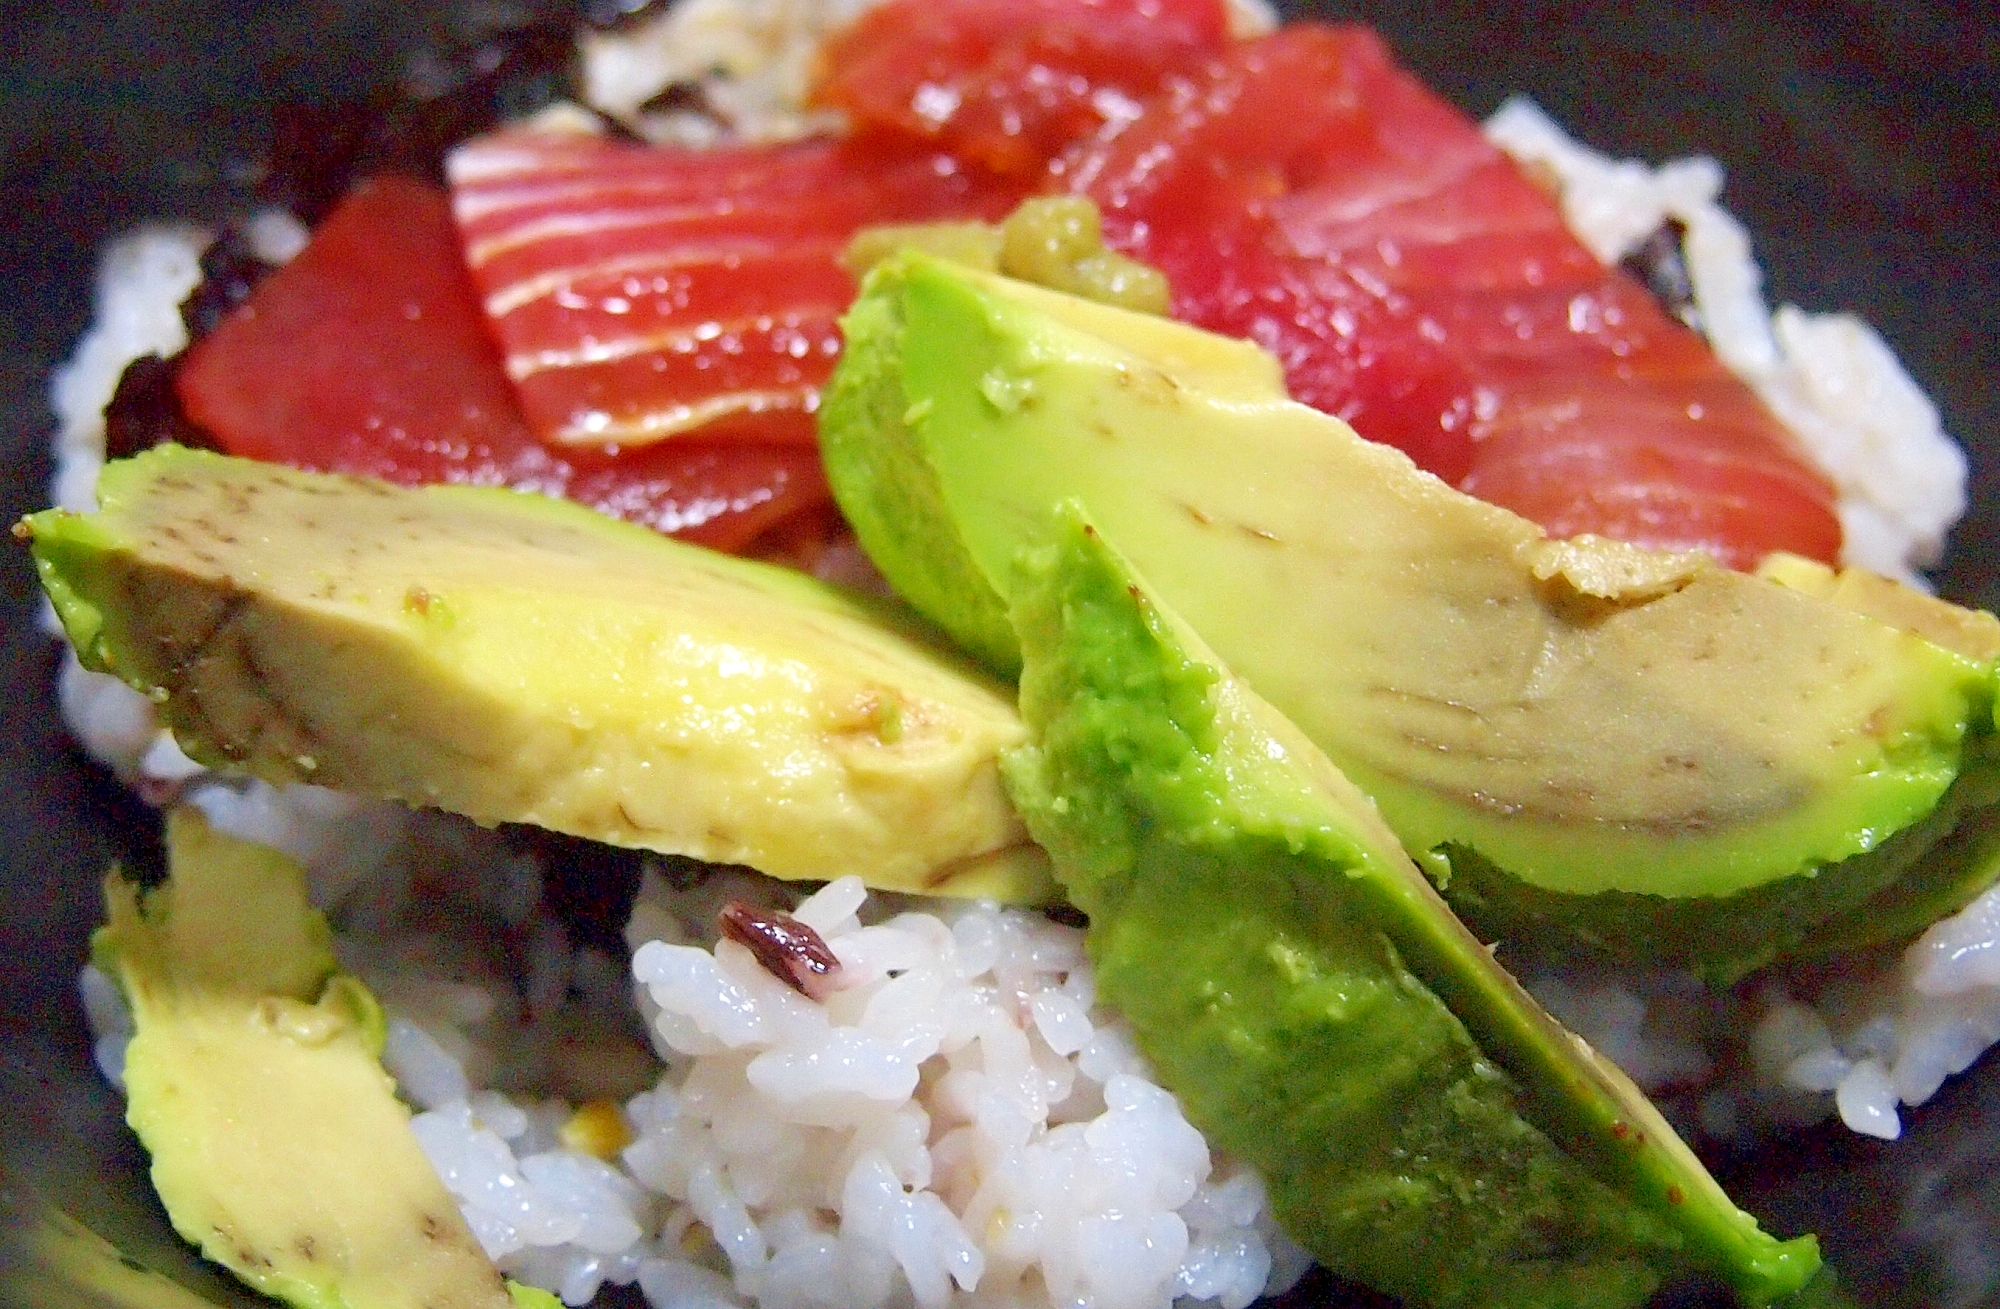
589,886
1660,264
448,96
314,153
1066,914
676,98
230,270
145,411
318,152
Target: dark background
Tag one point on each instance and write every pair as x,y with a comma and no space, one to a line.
1863,147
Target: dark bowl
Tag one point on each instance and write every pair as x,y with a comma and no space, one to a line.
1861,141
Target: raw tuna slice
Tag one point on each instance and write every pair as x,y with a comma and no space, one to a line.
368,354
644,292
1308,194
1010,83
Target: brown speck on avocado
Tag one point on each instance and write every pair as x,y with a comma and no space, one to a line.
1257,532
946,873
432,1229
1675,1195
307,1247
1619,1130
417,601
1201,516
789,950
23,532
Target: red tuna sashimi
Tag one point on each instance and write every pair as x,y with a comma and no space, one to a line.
1308,194
646,292
1011,83
368,354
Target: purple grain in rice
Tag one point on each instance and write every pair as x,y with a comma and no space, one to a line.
790,950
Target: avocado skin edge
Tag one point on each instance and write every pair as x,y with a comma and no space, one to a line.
877,434
1926,872
1242,920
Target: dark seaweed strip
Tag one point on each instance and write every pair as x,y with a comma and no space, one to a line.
589,886
230,271
513,73
680,97
1066,914
145,411
317,152
1660,264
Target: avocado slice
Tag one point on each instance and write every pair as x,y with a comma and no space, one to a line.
516,658
1421,1123
1651,755
252,1077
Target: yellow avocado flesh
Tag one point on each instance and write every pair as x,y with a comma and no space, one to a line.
1587,716
278,1145
519,659
1973,633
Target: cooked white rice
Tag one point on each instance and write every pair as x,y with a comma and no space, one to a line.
1795,1047
141,281
960,1123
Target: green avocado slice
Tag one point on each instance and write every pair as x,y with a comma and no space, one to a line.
517,658
252,1078
1423,1126
1659,757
